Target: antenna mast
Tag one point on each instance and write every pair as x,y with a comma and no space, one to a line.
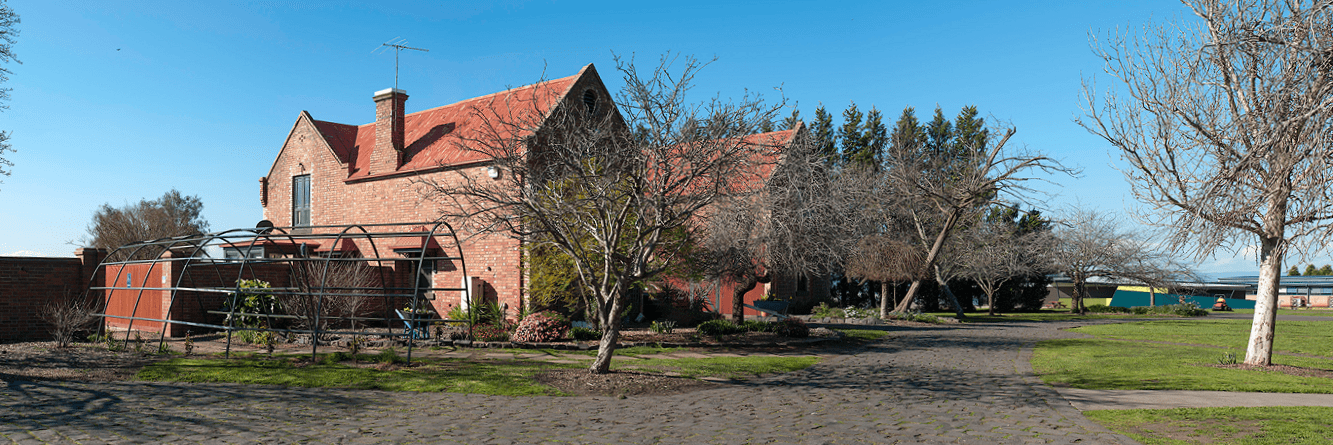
398,44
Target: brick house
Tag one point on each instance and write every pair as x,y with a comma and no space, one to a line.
329,173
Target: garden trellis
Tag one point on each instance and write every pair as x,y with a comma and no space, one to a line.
311,275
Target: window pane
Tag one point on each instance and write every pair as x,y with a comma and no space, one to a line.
301,200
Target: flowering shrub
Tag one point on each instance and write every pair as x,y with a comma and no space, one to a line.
791,327
540,327
490,332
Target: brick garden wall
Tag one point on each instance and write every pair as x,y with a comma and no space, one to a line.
29,283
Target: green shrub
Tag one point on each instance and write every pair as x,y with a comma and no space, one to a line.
717,328
541,327
757,326
791,327
1183,310
824,311
1104,309
584,334
853,312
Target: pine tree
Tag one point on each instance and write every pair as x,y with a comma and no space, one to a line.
1327,270
1310,270
849,134
969,131
908,136
822,132
874,139
1293,272
790,121
939,134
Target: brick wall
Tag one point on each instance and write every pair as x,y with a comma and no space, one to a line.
29,283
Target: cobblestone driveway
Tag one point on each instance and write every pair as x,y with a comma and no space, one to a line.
951,384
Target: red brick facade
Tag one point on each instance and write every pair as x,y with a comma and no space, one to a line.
368,174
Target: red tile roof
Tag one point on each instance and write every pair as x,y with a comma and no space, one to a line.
432,136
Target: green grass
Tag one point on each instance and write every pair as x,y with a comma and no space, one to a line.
1301,337
1267,425
862,335
1110,364
1044,315
512,378
724,367
1306,312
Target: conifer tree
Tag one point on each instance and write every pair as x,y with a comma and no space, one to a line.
908,135
849,134
939,134
1293,272
790,121
874,139
1310,270
822,132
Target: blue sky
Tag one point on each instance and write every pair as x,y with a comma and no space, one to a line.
120,101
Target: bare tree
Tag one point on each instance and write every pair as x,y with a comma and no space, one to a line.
996,252
9,32
794,223
1224,122
172,215
887,260
622,195
1090,244
944,190
69,314
326,289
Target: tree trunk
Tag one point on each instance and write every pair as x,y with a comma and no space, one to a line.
953,301
608,314
884,298
906,302
738,298
1076,300
931,256
990,302
1260,349
606,349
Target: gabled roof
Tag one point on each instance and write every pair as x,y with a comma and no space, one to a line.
431,137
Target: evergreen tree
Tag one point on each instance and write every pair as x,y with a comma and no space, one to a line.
969,131
875,139
822,132
939,134
766,127
790,121
849,134
1311,271
908,135
1327,270
1293,272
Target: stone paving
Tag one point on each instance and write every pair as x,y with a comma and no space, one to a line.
948,384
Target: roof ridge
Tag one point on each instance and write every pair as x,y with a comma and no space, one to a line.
497,93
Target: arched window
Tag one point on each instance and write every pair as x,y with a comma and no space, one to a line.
590,100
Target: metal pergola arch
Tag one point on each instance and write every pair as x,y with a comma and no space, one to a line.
439,242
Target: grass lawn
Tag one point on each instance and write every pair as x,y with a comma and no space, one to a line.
1043,315
513,377
1301,337
1111,364
1268,425
1305,312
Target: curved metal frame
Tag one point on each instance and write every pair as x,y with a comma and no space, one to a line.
258,237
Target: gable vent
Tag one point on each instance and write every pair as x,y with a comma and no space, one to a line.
590,100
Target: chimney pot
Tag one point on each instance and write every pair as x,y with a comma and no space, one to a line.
388,153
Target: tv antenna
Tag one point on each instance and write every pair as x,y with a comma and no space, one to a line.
398,44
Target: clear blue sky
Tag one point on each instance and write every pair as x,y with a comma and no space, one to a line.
120,101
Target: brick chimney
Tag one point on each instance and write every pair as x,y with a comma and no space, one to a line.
388,153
